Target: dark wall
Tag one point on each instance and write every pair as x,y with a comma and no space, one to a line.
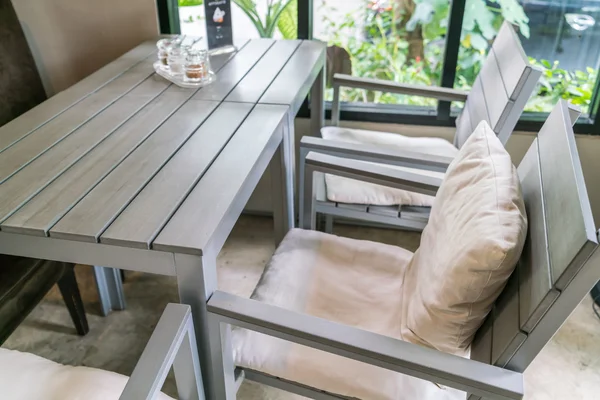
20,84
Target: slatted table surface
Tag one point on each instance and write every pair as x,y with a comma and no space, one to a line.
127,170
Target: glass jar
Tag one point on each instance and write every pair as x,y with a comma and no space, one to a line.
197,66
176,60
163,52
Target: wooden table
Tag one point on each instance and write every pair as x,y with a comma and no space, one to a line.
125,170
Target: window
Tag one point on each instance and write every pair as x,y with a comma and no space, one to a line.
559,36
249,19
429,42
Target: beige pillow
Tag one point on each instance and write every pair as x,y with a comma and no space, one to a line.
469,248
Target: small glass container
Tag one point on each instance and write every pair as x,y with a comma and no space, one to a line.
163,52
176,60
197,66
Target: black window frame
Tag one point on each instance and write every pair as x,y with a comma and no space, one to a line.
413,115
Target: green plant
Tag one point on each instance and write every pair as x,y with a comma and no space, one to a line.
275,10
190,3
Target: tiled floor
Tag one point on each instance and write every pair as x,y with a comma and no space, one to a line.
568,368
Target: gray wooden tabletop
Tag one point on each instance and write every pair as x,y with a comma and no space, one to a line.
125,158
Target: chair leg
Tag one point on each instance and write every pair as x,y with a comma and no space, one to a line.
72,297
110,289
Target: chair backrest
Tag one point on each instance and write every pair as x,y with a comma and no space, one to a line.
20,82
560,262
501,90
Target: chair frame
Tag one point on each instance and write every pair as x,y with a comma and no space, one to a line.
491,377
172,344
391,215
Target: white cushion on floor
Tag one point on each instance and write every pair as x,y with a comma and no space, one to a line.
344,190
24,376
349,281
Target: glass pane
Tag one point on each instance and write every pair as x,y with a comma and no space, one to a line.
559,36
396,40
193,19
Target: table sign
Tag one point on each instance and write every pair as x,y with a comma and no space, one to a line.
219,32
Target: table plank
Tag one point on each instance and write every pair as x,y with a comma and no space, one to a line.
38,174
292,84
39,214
142,220
38,116
92,215
26,150
256,82
232,73
226,186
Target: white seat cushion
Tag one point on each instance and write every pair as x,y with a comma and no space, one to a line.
349,281
344,190
469,248
25,376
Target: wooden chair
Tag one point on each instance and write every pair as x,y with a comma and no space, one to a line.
24,282
498,96
557,267
172,344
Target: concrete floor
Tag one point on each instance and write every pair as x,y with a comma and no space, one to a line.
568,368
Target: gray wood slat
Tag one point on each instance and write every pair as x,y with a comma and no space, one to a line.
463,128
496,98
143,218
390,211
295,80
92,215
321,189
38,116
481,348
35,176
27,149
512,60
569,220
507,337
255,83
218,61
535,281
476,106
213,206
235,70
39,214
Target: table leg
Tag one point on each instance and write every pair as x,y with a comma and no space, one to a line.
110,289
196,281
317,104
281,193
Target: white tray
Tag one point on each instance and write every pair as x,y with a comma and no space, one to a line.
179,80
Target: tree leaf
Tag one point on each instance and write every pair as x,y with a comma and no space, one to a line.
288,20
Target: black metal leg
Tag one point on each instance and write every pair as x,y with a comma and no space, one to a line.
123,275
70,293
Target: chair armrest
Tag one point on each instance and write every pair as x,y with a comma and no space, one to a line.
433,92
396,355
373,173
172,343
373,153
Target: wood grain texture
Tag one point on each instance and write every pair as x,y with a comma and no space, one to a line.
569,220
255,83
535,279
292,84
41,212
512,60
37,175
90,217
496,99
476,108
27,149
204,211
235,70
507,336
145,216
38,116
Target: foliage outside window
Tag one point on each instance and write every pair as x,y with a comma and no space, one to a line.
404,41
